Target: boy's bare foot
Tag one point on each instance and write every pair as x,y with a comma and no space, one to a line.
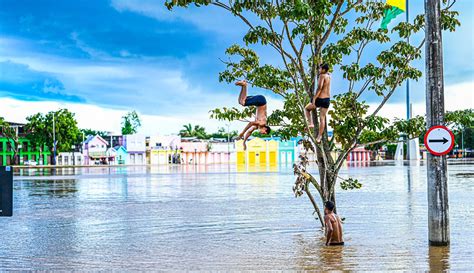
311,126
241,83
318,139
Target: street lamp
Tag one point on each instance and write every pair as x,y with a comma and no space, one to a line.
73,147
195,161
228,143
54,140
20,158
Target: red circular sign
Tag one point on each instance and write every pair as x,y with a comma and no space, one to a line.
439,140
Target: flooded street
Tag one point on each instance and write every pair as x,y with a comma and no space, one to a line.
219,218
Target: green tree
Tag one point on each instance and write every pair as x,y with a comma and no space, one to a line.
462,123
196,131
11,134
91,132
303,35
130,123
40,129
222,133
200,132
187,131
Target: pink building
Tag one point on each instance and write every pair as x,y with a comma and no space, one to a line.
358,155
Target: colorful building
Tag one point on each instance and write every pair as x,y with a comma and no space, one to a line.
162,150
69,158
94,150
26,153
195,152
136,148
121,155
359,154
259,152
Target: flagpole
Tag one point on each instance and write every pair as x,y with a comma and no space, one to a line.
408,84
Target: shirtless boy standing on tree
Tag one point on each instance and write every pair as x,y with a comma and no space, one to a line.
320,100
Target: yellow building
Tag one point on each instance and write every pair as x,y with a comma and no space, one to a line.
259,152
163,157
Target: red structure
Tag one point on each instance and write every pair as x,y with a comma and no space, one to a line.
359,155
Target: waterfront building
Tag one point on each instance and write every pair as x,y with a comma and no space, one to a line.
259,152
359,154
221,152
94,150
195,152
27,153
121,155
136,148
163,150
70,159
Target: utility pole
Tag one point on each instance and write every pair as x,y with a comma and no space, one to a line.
438,208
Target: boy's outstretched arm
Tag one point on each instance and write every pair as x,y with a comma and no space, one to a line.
250,124
247,135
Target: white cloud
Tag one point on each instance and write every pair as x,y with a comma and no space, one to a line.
108,119
101,118
203,18
456,97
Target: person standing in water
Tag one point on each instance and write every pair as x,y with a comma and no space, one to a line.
333,226
320,100
260,122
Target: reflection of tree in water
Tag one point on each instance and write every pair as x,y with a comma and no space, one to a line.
312,254
53,188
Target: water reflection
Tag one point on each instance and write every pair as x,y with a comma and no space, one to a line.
217,218
438,257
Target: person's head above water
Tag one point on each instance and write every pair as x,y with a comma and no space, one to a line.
265,129
328,207
324,68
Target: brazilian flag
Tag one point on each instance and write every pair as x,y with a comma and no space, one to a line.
396,8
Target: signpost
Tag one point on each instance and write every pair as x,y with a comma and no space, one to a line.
436,165
6,191
439,140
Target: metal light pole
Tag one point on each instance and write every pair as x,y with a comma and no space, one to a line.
228,143
54,140
73,155
20,158
195,161
438,206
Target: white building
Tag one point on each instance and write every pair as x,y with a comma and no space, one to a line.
70,159
136,148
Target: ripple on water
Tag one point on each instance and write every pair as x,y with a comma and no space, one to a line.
190,218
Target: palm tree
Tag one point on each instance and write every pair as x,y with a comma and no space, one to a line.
187,131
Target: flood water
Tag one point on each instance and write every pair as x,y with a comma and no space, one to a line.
223,218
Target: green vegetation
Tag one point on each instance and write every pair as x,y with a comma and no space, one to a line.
130,123
40,130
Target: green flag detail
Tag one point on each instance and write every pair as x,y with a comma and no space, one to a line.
389,15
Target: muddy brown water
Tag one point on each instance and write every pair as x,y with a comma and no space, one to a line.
227,218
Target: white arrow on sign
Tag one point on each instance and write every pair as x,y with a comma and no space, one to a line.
439,140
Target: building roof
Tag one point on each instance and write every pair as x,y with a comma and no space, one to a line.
90,138
120,148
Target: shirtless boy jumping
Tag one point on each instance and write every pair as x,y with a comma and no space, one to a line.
320,100
261,116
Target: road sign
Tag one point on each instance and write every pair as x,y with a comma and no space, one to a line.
6,191
439,140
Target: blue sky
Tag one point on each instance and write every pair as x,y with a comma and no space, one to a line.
111,56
